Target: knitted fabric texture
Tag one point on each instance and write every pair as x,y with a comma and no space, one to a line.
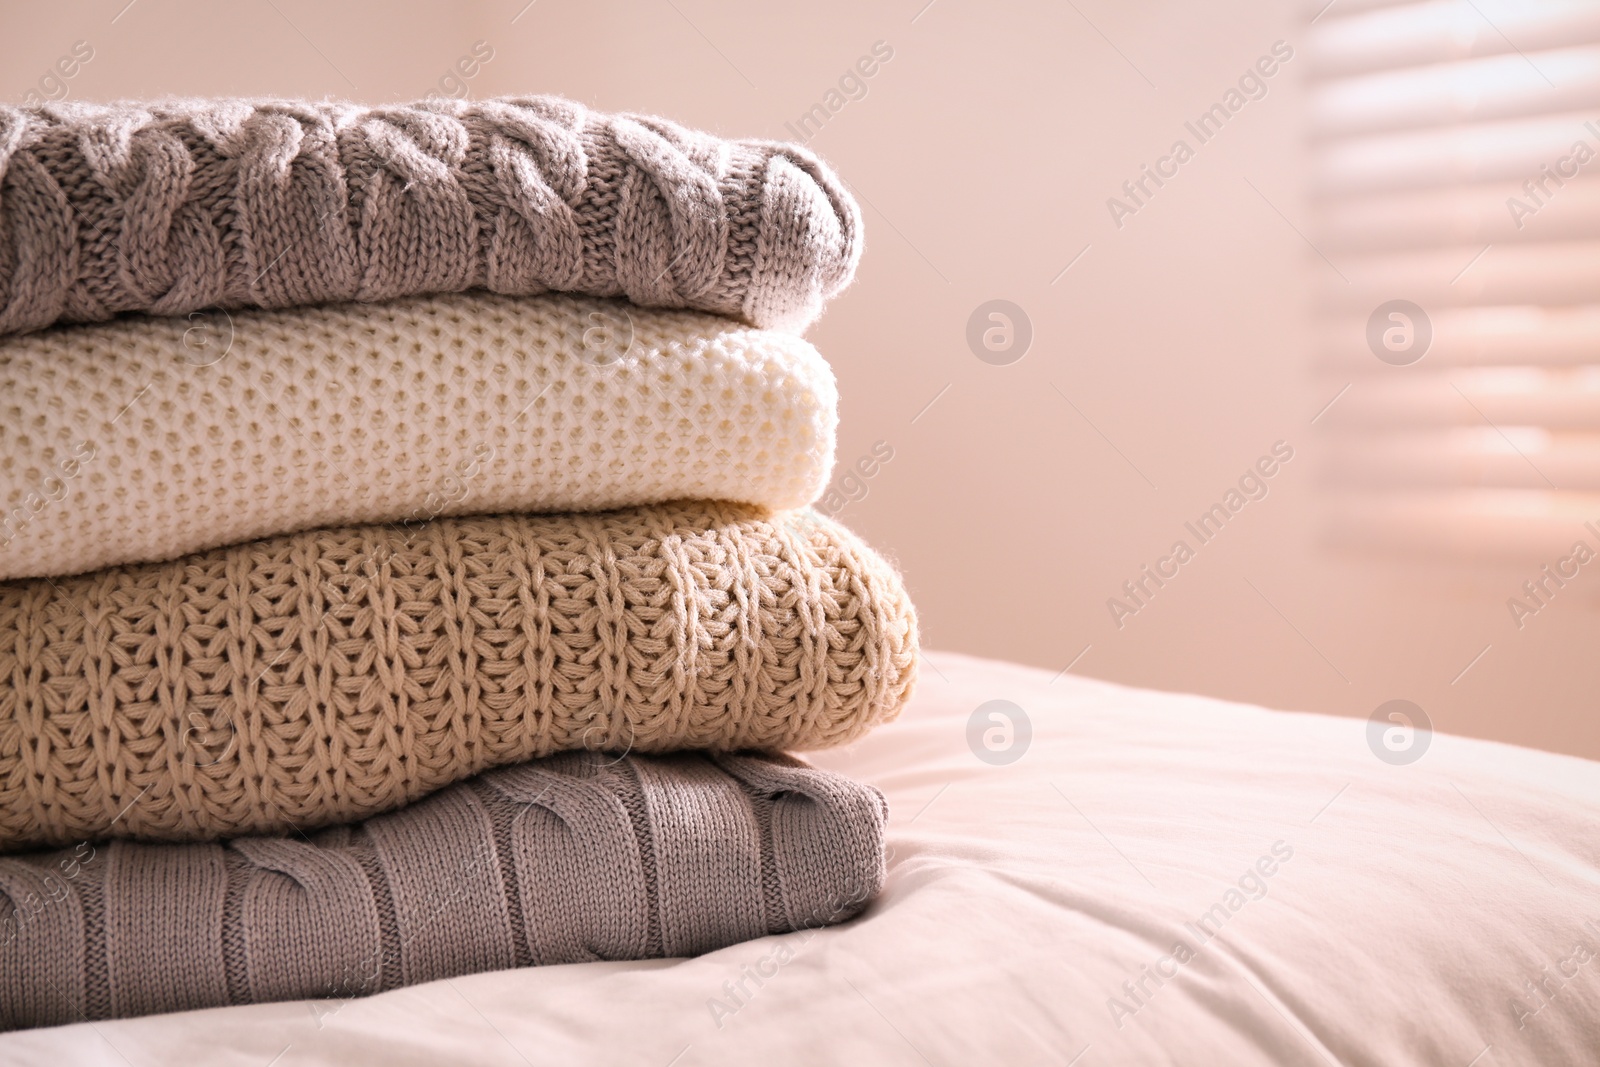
177,206
146,439
565,860
328,676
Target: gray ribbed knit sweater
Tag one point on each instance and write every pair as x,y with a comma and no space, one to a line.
177,206
572,858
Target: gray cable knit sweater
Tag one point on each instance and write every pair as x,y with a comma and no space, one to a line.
572,858
177,206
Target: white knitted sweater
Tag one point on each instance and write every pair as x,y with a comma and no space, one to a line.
147,438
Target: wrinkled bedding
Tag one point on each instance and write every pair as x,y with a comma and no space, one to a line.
1157,878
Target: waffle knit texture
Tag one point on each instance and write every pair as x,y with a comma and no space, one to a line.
564,860
328,676
149,438
176,206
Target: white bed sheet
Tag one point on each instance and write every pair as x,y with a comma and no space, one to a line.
1420,910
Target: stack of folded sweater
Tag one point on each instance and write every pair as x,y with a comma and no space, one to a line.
381,598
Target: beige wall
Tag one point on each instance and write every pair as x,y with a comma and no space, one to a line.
1164,362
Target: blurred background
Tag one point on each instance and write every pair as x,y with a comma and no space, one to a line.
1123,260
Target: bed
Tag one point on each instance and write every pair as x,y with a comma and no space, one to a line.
1121,876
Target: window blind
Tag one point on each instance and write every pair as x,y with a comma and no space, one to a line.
1455,165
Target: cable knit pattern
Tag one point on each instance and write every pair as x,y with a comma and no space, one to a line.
564,860
146,438
177,206
327,676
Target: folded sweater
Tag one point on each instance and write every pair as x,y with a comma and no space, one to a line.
564,860
175,206
327,676
147,438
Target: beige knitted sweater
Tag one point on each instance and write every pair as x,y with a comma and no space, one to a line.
327,676
147,438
